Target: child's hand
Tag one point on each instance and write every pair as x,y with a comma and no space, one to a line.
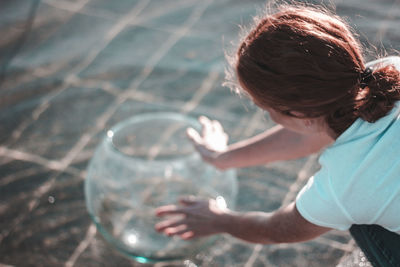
212,142
199,217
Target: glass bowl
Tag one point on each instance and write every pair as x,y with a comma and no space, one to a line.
143,163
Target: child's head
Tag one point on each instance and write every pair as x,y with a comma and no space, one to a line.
305,62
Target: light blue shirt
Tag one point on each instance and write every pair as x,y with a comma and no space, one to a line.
359,179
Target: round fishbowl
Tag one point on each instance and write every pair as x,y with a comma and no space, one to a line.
143,163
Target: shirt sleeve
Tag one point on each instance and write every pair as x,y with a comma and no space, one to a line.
317,203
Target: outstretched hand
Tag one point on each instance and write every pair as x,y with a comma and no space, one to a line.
193,217
211,143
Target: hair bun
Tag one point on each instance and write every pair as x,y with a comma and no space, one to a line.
384,90
365,77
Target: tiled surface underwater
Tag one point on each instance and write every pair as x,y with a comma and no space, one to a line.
80,66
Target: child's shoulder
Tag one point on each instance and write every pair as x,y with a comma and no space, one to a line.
395,60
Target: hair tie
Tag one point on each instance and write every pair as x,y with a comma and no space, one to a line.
365,77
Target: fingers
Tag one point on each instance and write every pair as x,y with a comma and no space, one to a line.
188,235
161,226
207,127
168,210
178,230
210,126
181,230
217,127
188,200
194,136
175,227
185,201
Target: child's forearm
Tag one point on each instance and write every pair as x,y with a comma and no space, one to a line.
275,144
282,226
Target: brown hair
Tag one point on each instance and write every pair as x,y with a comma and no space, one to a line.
306,60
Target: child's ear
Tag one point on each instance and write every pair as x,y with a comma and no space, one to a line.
308,122
317,123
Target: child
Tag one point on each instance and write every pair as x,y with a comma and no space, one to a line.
304,66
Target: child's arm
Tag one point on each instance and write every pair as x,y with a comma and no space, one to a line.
275,144
205,217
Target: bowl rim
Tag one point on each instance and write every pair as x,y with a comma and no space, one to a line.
146,117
